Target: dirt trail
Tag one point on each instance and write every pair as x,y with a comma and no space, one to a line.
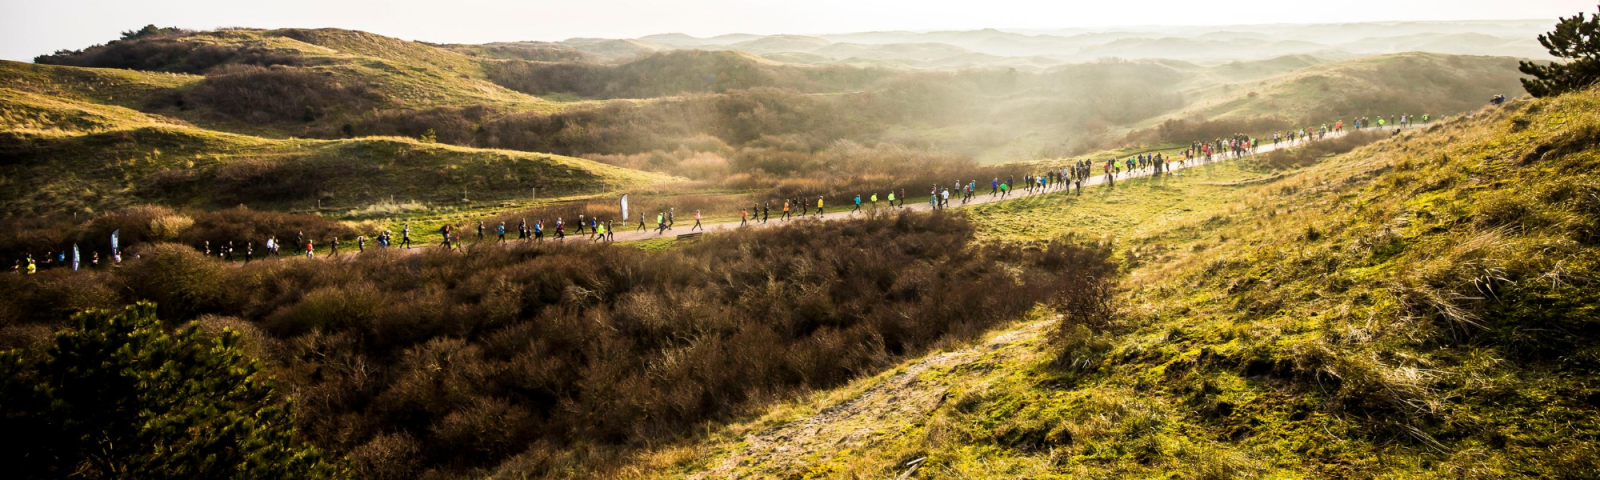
880,410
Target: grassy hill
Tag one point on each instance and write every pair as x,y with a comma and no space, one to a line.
69,155
1422,307
294,81
1414,83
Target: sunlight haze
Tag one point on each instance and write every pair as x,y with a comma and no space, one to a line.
32,28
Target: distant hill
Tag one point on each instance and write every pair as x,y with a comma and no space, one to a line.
893,51
614,49
779,43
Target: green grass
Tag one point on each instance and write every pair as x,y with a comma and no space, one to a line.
1423,307
1130,209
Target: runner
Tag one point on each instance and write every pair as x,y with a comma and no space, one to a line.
480,231
765,208
501,230
335,245
661,223
361,244
858,204
819,207
309,248
697,222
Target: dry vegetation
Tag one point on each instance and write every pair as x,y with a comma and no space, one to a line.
537,361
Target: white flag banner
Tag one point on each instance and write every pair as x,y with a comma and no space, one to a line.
114,235
74,257
624,207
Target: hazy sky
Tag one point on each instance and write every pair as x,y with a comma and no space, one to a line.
33,27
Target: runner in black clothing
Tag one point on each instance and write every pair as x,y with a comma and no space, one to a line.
334,244
766,208
480,230
405,236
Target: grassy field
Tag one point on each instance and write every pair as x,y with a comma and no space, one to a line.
1419,308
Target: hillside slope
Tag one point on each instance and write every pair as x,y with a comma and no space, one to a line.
1414,83
296,81
65,155
1423,307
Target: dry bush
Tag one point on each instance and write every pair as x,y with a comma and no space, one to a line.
169,227
264,95
164,53
454,362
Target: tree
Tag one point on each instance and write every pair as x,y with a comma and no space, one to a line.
148,30
1576,39
119,397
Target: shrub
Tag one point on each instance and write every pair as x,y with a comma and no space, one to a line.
455,362
117,395
169,227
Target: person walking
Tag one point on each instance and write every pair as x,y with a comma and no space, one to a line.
405,236
310,247
819,207
785,210
361,244
335,246
501,231
480,231
697,222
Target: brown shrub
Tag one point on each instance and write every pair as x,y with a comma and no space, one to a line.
457,361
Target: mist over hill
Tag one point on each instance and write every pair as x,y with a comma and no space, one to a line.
1203,44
